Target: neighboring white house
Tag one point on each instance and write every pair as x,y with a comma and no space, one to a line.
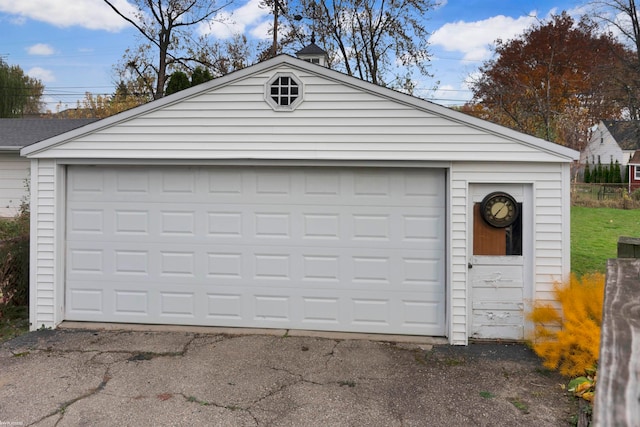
287,195
612,141
14,170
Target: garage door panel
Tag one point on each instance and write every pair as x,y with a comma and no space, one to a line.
254,225
229,306
131,302
86,301
325,186
328,249
254,305
307,267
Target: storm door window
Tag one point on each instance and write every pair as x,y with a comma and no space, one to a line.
490,240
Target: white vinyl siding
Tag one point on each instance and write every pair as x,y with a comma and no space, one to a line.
43,282
14,172
550,228
340,121
458,253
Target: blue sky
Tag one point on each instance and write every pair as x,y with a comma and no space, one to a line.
72,45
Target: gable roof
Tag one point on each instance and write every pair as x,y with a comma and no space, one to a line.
349,84
635,160
311,49
18,133
626,133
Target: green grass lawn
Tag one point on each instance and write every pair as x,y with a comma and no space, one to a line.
595,233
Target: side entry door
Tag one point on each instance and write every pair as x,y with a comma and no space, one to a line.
498,228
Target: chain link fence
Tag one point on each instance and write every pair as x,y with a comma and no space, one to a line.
604,195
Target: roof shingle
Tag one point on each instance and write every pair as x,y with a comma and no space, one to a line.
626,133
22,132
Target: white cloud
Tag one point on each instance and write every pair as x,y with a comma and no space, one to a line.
227,24
91,14
261,31
46,76
40,49
471,78
442,91
221,27
474,39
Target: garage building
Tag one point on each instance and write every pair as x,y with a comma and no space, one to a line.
288,195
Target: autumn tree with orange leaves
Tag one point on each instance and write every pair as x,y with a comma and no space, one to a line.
126,96
554,81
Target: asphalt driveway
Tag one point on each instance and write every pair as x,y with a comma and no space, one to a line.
188,378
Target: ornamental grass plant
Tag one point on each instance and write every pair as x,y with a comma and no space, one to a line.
567,334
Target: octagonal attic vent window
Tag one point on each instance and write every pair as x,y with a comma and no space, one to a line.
283,92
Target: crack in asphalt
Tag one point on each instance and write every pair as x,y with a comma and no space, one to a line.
135,356
185,347
193,399
62,408
331,354
299,378
143,356
268,395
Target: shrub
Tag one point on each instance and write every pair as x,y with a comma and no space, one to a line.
567,336
14,272
14,260
17,226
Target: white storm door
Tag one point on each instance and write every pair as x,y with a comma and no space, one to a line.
498,288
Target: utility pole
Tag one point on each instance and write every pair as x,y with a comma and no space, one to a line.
274,46
277,7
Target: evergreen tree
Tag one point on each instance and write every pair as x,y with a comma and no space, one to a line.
626,173
200,75
587,173
177,82
610,172
617,173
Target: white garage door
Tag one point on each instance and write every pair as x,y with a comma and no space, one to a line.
338,249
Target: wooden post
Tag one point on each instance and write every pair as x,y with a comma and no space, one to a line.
618,384
629,247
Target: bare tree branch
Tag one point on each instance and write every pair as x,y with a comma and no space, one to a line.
160,22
